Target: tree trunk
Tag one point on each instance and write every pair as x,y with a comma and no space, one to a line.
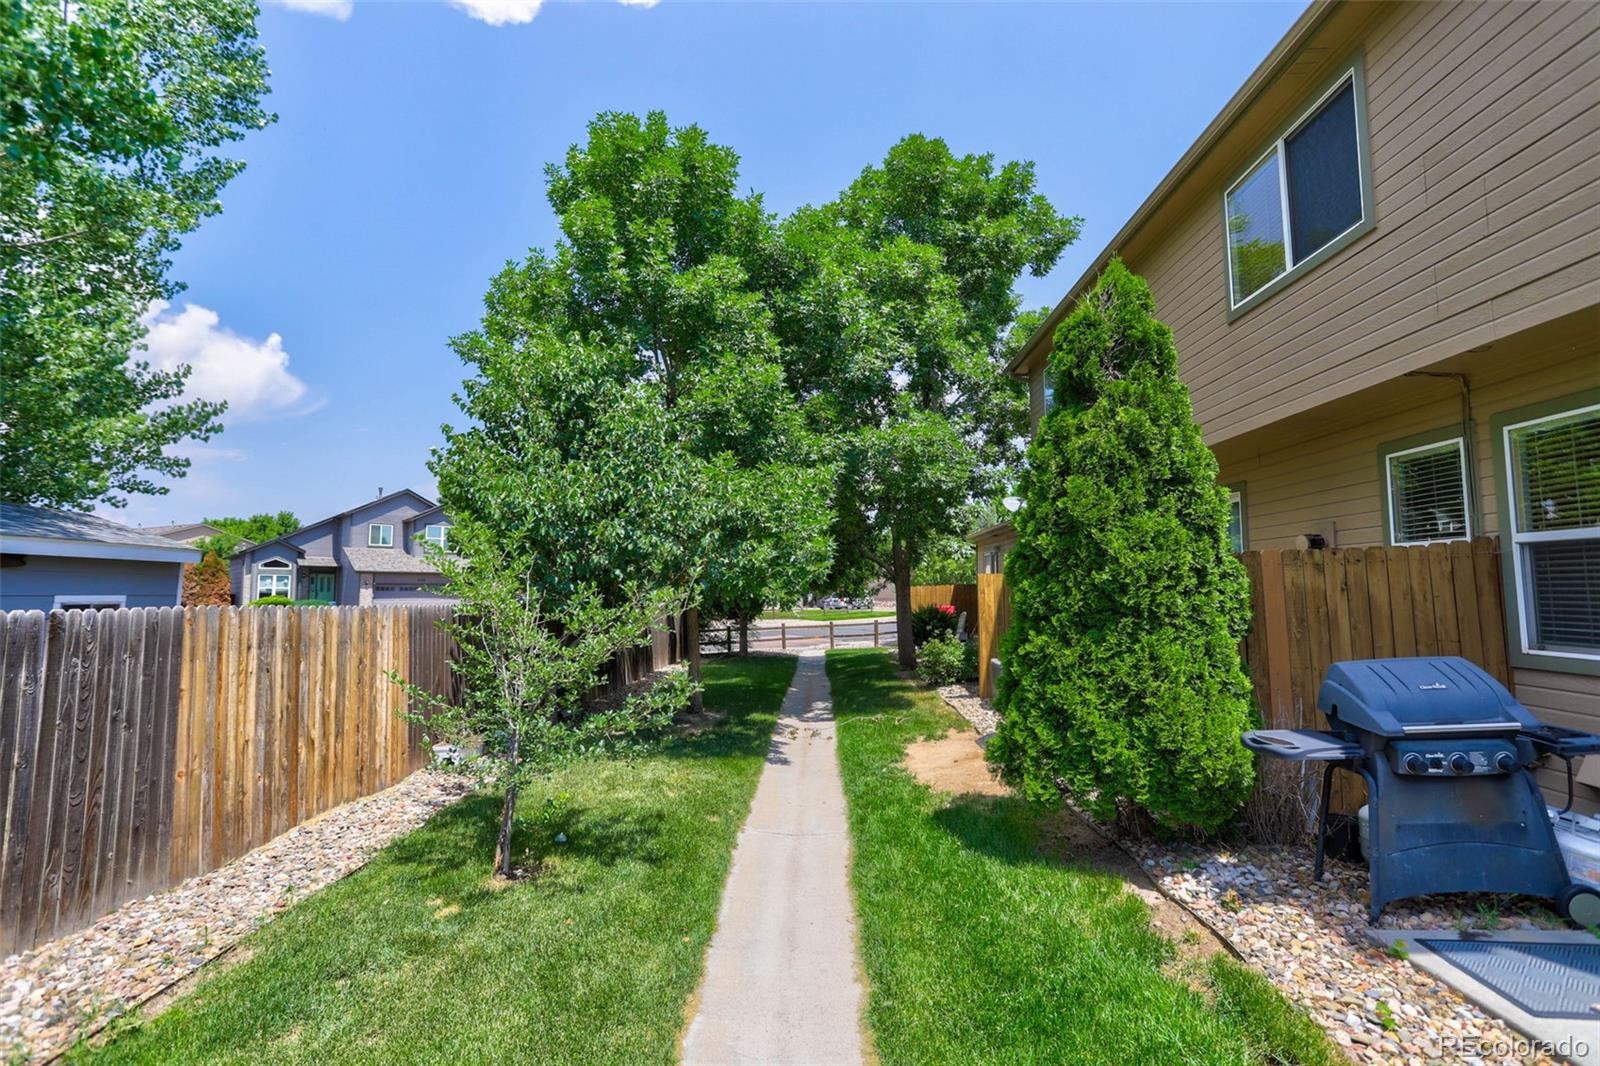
691,621
502,844
744,634
900,559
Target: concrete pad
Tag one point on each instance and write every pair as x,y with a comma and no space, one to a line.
782,983
1576,1040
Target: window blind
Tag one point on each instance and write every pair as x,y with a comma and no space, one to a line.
1429,497
1558,474
1566,594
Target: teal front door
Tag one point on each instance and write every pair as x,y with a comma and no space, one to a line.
322,587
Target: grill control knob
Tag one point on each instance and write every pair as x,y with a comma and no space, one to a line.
1505,762
1414,763
1460,764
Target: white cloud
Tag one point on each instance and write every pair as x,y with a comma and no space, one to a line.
500,12
252,376
638,3
333,9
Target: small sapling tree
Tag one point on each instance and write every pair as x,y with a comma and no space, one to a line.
1122,677
525,667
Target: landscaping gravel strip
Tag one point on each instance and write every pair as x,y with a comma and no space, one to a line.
1311,941
52,994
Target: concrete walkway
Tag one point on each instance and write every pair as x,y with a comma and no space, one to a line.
781,982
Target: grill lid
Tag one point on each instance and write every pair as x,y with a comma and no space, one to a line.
1435,696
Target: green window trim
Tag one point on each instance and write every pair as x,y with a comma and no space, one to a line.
1354,70
1421,442
1517,649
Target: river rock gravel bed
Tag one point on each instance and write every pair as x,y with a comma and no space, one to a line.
1310,939
52,994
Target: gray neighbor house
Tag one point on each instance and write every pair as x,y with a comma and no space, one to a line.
372,554
66,560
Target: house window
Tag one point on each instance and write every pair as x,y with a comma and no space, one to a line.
89,603
435,535
380,535
1306,193
1553,471
274,578
991,561
1427,489
1236,520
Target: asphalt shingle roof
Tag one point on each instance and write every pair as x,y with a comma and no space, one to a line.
26,520
387,561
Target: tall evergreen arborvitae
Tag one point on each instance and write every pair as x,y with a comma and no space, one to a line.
1122,679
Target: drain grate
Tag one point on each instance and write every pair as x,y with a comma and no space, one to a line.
1548,980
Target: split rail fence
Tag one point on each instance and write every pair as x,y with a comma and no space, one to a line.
139,747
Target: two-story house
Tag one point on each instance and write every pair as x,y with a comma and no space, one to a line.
373,553
1381,265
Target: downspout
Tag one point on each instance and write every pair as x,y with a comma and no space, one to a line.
1469,439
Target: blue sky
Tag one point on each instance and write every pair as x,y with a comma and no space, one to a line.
407,166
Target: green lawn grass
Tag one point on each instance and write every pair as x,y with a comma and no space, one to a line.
813,614
977,948
417,958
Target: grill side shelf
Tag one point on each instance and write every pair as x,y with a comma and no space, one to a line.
1302,745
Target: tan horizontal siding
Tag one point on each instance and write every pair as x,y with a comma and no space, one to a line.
1571,700
1484,126
1322,467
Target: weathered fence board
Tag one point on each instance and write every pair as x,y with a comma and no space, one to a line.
142,746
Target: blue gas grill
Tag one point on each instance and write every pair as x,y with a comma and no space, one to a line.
1446,752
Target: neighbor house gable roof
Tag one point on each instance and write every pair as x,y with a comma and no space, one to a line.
29,530
1282,57
362,506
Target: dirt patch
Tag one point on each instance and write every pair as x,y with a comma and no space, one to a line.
954,763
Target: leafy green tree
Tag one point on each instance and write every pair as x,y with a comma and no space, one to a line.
578,521
258,529
652,269
524,664
1122,677
894,306
110,125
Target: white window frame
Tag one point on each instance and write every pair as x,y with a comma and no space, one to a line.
443,528
1519,539
107,602
387,534
274,569
1277,149
1236,497
1460,444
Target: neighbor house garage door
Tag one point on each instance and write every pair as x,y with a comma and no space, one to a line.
412,591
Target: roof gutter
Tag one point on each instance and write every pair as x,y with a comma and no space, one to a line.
1277,61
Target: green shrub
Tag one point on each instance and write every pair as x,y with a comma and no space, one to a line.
932,620
1122,674
940,660
271,601
969,659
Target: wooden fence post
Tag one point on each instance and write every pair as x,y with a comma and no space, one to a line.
783,635
830,633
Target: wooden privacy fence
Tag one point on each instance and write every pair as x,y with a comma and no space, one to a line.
1314,608
963,597
993,619
142,746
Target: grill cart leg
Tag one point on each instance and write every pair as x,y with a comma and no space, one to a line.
1322,820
